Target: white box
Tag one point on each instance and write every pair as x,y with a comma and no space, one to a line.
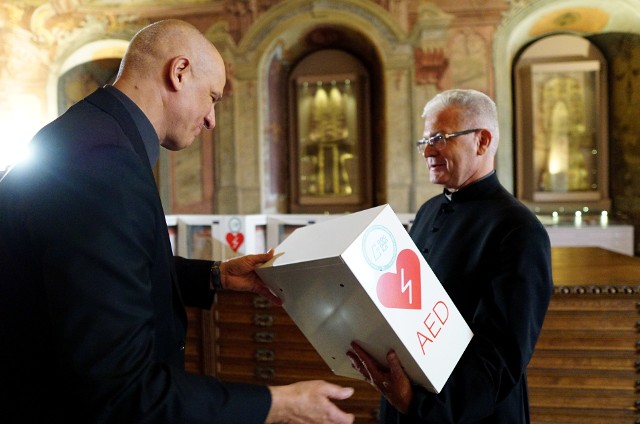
279,226
360,277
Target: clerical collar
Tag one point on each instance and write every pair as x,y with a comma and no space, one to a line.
147,132
448,193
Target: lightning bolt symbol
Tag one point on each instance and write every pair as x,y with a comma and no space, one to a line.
406,285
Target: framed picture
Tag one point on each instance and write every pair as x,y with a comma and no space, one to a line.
330,141
561,132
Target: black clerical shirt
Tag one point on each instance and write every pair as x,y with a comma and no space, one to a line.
492,255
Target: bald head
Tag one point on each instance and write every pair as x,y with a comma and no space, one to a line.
175,76
161,41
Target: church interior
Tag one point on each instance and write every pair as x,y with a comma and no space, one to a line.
321,111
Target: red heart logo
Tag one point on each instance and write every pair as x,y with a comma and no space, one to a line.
402,289
235,240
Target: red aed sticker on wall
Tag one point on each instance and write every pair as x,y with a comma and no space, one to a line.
234,237
235,240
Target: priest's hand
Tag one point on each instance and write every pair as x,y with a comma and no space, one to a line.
391,380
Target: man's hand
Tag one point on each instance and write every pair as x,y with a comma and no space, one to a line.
239,274
392,382
308,402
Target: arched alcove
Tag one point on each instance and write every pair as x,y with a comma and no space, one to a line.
614,26
528,21
561,125
263,59
330,134
101,51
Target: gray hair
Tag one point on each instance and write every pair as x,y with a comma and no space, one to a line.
478,109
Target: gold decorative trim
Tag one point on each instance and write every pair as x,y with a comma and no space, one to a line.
597,290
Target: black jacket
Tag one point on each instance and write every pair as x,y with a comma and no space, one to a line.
492,255
91,303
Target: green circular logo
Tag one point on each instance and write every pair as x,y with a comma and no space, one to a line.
379,247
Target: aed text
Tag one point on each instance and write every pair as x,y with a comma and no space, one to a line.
434,323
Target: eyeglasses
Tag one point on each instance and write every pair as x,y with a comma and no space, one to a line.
438,141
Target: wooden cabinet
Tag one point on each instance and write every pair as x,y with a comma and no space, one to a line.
585,368
257,342
199,358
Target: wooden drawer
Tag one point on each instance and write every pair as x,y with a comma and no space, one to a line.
273,354
585,366
257,342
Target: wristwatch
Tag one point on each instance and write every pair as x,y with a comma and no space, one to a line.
216,281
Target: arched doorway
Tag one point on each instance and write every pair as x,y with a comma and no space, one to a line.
561,126
330,136
614,26
264,59
328,164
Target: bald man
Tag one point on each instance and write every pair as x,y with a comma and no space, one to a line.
93,325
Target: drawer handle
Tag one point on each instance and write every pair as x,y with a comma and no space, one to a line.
263,320
261,302
264,337
265,355
265,373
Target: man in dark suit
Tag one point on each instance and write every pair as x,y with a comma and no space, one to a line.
92,322
493,257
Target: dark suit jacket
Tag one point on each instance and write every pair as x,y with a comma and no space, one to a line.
493,257
92,323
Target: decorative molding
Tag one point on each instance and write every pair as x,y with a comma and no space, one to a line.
597,290
515,5
292,17
430,65
431,19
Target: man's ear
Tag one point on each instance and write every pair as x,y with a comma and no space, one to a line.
179,68
485,141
